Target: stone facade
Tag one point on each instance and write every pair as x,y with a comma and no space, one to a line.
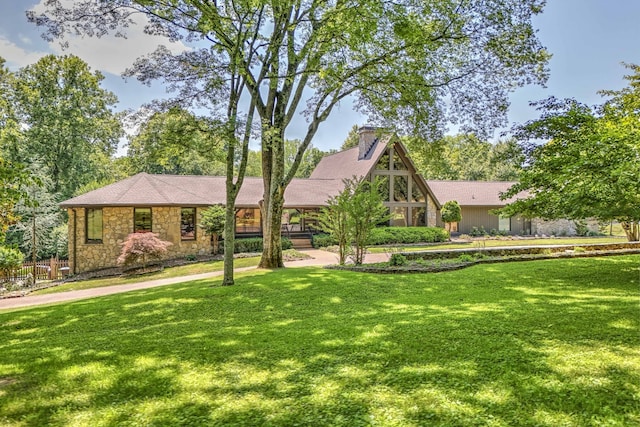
559,227
432,212
117,224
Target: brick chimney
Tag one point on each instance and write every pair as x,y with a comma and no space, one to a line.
368,136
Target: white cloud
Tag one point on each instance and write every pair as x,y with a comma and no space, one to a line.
16,56
109,53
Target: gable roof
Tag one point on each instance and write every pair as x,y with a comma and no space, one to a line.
326,181
187,190
472,193
345,164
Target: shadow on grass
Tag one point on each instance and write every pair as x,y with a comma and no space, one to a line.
541,343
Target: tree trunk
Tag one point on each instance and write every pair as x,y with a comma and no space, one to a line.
273,199
229,235
632,230
271,211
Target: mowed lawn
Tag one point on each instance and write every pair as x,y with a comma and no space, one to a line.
542,343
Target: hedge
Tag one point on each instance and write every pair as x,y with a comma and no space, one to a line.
391,236
400,235
322,241
254,244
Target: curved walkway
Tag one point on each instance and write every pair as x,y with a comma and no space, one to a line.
318,258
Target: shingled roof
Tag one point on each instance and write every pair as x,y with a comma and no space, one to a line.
348,163
186,190
472,193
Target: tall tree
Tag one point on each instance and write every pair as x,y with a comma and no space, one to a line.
352,139
14,176
466,157
310,159
35,233
69,123
416,65
590,165
176,142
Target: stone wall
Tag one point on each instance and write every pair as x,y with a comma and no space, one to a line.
432,212
559,227
117,225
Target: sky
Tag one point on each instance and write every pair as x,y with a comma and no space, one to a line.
589,41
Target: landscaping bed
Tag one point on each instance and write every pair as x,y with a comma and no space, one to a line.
455,259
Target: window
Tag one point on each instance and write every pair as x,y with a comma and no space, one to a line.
248,221
419,217
384,187
416,193
398,217
94,225
188,223
141,220
504,224
400,188
398,164
383,163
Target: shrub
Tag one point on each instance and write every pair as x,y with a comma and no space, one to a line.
581,228
322,241
10,261
212,222
450,213
254,244
139,248
477,232
466,258
397,260
403,235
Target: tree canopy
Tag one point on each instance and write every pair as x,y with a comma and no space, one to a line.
450,213
466,157
414,65
69,127
176,142
589,163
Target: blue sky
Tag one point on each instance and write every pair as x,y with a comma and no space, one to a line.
588,39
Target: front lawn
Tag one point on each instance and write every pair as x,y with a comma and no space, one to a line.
542,343
166,273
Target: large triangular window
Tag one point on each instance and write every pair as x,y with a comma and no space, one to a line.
398,163
383,163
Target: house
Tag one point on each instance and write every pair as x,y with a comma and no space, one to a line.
170,205
477,200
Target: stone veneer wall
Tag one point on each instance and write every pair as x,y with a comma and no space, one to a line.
559,227
117,224
432,212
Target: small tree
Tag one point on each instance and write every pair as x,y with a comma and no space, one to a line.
333,219
451,213
350,216
365,211
212,222
10,260
139,248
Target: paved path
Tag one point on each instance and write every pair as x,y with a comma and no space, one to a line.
318,258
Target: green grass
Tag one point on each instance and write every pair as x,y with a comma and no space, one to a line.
492,243
542,343
183,270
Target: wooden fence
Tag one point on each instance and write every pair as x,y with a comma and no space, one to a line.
53,269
